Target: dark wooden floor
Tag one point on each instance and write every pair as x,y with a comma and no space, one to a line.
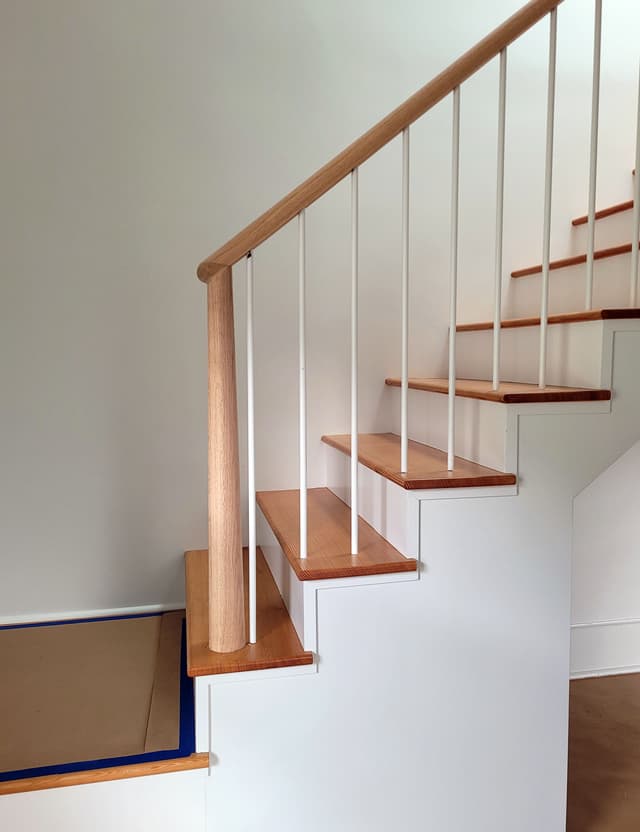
604,755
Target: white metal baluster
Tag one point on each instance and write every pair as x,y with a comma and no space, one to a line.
497,311
453,280
404,393
635,233
548,188
302,407
251,454
593,162
354,361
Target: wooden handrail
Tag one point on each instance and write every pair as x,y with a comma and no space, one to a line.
374,139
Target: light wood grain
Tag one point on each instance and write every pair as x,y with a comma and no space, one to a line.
226,609
375,138
604,755
277,643
561,318
427,466
329,536
102,775
605,212
510,392
578,259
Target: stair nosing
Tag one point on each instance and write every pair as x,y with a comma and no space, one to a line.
617,313
543,396
603,213
575,260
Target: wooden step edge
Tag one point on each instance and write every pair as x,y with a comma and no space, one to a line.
103,775
605,212
577,260
560,318
410,482
278,644
549,395
338,564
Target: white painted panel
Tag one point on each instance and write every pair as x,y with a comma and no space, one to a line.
606,567
162,802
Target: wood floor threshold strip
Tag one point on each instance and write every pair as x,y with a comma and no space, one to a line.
103,775
577,260
560,318
510,392
380,452
277,642
329,537
605,212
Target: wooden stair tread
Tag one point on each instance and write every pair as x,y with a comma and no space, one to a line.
619,208
278,644
560,318
510,392
427,466
576,260
329,537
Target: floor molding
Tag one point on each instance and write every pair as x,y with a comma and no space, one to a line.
103,775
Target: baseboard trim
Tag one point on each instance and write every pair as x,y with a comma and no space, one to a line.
605,671
605,648
610,622
65,615
103,775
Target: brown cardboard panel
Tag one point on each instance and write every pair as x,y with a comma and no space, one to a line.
163,726
73,692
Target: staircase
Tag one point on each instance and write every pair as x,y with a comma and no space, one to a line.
464,499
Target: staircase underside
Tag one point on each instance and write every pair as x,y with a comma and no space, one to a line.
510,392
427,466
329,539
277,644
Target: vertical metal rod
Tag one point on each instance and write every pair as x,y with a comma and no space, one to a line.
354,361
404,393
453,279
251,454
497,309
593,159
635,233
302,405
548,189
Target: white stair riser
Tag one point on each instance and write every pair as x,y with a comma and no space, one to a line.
610,231
291,589
567,288
390,509
480,425
574,354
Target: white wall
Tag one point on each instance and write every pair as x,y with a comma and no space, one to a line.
606,570
138,136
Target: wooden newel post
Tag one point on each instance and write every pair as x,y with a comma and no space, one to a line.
226,581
